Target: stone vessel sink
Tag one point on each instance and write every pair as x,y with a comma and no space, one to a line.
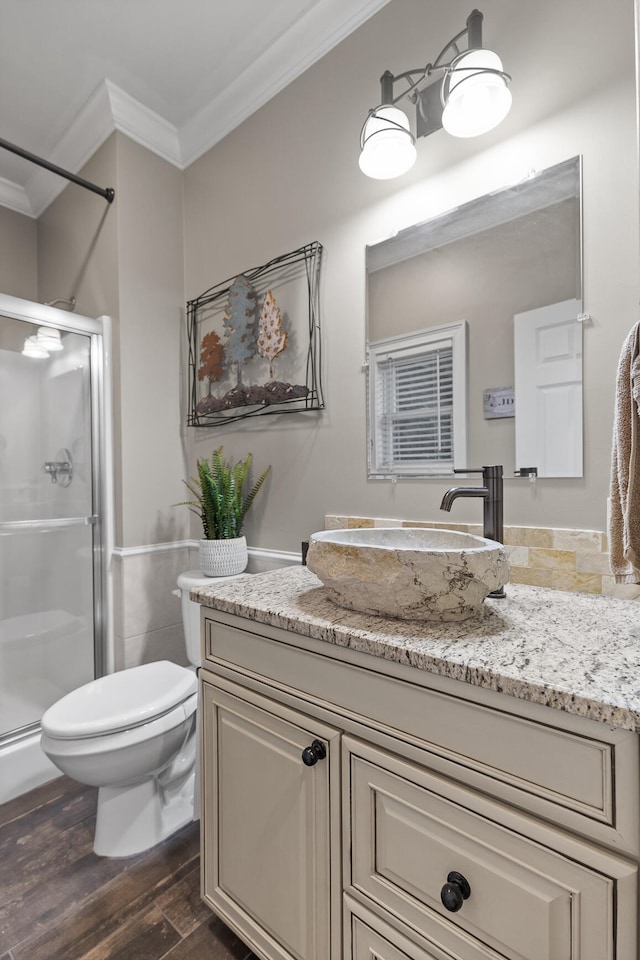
413,573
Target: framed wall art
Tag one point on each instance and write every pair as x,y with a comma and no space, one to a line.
254,342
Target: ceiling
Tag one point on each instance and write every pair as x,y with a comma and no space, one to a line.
174,76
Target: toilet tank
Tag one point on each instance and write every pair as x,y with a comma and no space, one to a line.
191,610
191,613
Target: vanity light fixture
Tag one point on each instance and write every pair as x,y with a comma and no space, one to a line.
472,98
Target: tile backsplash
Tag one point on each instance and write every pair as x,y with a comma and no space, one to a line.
574,560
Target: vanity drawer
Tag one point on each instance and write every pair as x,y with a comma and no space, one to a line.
367,937
567,769
535,893
368,944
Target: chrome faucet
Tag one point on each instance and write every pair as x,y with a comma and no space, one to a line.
492,513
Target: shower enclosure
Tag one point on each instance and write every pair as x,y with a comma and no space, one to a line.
54,523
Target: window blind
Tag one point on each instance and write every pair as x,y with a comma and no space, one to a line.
413,387
415,411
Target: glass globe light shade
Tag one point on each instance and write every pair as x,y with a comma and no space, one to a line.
388,147
477,101
49,339
33,349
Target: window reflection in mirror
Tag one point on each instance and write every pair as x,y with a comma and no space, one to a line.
417,402
505,255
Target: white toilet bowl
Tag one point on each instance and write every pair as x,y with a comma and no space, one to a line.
133,735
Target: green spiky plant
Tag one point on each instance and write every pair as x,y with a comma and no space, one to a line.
219,501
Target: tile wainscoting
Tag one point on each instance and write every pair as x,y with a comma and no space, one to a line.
147,620
574,560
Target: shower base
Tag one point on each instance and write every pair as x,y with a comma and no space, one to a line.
24,766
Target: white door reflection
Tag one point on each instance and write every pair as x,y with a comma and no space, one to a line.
548,385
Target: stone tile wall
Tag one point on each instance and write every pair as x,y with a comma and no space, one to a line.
574,560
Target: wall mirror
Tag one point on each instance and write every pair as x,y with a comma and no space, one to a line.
474,335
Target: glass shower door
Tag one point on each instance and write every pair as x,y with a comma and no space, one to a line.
46,521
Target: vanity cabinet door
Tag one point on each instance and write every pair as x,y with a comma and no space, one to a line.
270,804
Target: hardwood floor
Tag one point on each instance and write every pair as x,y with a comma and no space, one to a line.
59,901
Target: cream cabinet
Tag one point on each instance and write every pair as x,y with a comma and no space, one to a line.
458,868
354,809
270,811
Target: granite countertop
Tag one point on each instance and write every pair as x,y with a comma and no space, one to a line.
574,652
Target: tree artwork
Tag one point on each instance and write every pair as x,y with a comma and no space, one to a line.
239,323
211,359
272,339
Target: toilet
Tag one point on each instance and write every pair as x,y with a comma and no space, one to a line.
133,735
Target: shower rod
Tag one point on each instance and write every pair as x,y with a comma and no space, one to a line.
107,192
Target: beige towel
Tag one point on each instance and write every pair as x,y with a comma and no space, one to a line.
624,515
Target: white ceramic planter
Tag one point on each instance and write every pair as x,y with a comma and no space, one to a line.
223,558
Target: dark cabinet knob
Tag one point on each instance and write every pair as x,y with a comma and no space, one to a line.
311,755
455,891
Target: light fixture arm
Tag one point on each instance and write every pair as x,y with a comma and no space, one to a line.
473,32
387,80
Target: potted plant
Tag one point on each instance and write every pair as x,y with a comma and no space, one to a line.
222,505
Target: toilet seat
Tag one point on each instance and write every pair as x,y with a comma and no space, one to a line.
120,701
111,742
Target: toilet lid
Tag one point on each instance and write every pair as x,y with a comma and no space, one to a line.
120,700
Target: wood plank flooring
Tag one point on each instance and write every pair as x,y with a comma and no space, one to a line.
59,901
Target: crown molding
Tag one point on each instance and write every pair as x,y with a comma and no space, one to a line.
109,108
15,197
324,26
144,126
86,133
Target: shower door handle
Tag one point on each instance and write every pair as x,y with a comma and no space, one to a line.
15,526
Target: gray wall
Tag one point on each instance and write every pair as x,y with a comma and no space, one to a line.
289,175
151,282
125,260
18,255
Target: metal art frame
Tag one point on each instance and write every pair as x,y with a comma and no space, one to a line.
285,268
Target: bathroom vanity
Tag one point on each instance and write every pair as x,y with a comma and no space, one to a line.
375,789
